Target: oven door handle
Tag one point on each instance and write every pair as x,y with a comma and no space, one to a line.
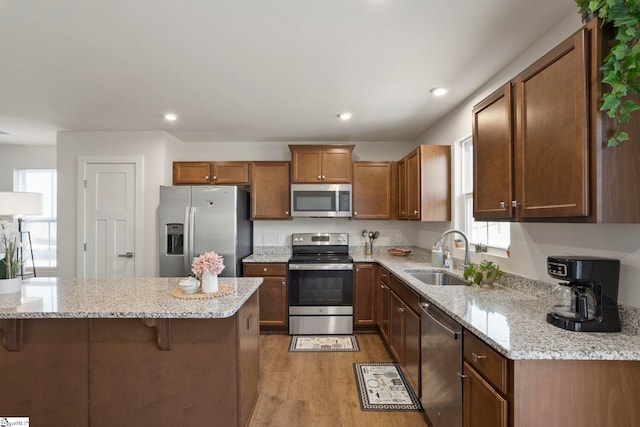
312,267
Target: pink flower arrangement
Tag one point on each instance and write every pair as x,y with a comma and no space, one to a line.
208,261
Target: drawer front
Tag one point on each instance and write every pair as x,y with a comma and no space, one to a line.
384,276
410,298
488,362
259,270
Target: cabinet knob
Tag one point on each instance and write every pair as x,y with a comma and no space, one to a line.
323,177
215,177
286,212
206,177
355,213
264,269
514,203
477,357
503,205
400,310
462,376
320,177
284,283
415,212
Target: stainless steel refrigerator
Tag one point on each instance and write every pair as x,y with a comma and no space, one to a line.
194,220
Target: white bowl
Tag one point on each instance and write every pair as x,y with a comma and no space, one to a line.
189,285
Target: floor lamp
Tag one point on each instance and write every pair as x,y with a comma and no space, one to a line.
18,204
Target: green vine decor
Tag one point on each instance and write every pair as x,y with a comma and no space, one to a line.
621,68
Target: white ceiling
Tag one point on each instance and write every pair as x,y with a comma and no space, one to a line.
253,70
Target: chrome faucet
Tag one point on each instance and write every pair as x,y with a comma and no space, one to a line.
438,245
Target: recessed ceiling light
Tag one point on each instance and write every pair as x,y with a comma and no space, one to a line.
170,117
439,91
345,116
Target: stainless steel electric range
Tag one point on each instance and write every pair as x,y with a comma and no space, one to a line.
320,284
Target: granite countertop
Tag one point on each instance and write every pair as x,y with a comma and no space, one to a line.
139,297
512,322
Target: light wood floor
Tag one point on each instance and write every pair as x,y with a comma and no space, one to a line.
319,389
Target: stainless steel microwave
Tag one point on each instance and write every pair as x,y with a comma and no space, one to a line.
321,200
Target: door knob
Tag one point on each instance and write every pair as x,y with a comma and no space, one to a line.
127,255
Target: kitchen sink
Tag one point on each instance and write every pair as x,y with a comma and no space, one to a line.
438,278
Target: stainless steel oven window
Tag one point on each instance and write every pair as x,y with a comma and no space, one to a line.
320,287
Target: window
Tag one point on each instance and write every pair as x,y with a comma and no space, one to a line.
493,234
42,228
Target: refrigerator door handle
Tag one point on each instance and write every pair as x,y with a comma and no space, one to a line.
192,237
187,241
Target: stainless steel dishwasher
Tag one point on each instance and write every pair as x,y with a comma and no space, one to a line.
441,355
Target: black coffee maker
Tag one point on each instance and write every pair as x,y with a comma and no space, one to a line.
588,302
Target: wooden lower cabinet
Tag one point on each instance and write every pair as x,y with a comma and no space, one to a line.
384,303
482,405
553,393
404,336
396,327
273,294
364,295
412,348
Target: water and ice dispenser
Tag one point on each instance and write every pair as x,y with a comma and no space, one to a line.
175,239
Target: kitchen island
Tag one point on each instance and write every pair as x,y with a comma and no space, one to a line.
97,352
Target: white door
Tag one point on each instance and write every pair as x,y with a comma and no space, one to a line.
109,220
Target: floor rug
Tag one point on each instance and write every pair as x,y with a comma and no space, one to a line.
324,343
383,387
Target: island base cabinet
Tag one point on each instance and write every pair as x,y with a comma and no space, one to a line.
131,372
47,379
208,377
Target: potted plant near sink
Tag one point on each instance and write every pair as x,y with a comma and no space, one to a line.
484,274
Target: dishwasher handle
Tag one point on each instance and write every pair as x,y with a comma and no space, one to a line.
425,309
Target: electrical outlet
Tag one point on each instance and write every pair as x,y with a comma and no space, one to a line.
281,238
398,238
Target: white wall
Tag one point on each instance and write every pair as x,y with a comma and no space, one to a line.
157,150
24,157
532,243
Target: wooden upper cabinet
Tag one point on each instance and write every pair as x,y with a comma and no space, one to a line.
493,156
204,173
230,173
321,163
562,169
402,189
270,195
413,184
372,193
191,173
552,138
424,184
